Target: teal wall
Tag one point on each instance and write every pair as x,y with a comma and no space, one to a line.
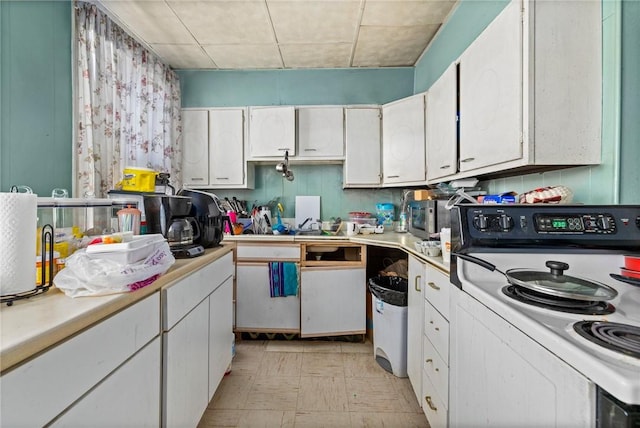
219,88
35,95
630,125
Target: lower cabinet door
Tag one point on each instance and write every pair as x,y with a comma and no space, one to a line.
332,301
255,309
186,366
220,333
130,396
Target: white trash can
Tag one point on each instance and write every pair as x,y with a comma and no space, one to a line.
389,330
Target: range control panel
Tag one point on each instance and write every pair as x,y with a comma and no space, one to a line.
609,224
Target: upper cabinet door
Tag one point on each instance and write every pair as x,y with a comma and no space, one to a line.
226,140
403,147
195,152
491,93
271,131
441,122
362,163
321,132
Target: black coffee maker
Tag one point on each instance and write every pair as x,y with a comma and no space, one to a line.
170,216
208,213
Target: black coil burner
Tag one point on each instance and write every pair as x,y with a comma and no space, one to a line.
617,337
562,304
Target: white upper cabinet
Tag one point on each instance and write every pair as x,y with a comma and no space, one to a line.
271,132
441,126
321,132
214,148
531,89
491,94
403,142
226,147
362,163
195,151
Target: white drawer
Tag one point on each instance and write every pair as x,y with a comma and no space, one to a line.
184,295
436,290
38,390
268,252
436,368
432,404
436,328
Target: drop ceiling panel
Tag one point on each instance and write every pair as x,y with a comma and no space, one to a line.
405,13
245,56
253,34
391,46
332,55
152,21
314,21
225,22
184,56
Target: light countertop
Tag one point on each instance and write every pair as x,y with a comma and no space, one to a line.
402,241
32,325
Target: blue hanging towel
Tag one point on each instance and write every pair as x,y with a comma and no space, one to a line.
283,279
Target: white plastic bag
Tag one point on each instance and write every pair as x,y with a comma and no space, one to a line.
84,276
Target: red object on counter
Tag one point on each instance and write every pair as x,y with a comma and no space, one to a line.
632,262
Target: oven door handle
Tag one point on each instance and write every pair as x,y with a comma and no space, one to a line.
485,264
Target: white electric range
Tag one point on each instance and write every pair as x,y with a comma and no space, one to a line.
539,354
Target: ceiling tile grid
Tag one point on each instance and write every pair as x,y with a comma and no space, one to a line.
277,34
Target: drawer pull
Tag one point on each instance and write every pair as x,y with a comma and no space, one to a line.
437,369
415,283
282,149
430,403
222,178
433,285
445,166
429,360
467,160
393,176
310,150
437,328
197,179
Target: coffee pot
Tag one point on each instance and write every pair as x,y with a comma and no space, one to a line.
182,231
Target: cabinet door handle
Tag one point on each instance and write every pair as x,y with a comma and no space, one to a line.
415,283
282,149
310,150
445,167
430,403
468,160
433,285
429,360
437,328
393,176
197,179
222,178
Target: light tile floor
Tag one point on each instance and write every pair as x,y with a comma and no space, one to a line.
311,384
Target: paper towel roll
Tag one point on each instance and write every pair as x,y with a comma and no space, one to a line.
18,224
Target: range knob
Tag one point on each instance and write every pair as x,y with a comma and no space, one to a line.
505,222
480,222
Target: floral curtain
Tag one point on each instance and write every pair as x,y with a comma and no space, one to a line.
128,111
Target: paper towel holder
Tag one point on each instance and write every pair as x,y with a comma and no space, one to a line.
47,242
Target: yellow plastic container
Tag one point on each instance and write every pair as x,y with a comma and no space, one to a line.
139,180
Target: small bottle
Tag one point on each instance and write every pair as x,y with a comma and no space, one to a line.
402,222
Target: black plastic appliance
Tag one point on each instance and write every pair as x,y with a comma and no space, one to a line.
206,210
